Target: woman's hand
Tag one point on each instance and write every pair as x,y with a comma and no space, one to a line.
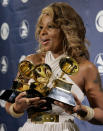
79,108
22,103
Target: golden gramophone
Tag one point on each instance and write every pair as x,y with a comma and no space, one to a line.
38,75
61,90
35,78
20,84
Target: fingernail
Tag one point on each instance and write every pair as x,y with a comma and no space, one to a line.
24,92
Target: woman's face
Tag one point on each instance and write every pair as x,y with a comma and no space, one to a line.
50,37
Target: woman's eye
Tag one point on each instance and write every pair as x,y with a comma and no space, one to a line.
40,27
50,26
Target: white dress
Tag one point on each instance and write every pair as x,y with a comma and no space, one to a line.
66,122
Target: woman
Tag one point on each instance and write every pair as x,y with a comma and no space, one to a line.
60,32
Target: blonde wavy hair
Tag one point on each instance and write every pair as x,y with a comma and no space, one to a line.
72,26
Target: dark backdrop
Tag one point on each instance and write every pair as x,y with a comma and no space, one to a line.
17,26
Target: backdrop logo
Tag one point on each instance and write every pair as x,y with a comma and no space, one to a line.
24,29
2,104
22,58
4,31
24,1
5,3
3,64
99,21
3,127
99,62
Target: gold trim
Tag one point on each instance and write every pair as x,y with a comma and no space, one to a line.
13,113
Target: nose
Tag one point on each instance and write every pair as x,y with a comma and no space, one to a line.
43,31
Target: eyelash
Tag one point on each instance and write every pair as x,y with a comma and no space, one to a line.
49,26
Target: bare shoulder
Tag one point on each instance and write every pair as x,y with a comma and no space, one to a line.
31,57
36,58
88,71
91,75
88,67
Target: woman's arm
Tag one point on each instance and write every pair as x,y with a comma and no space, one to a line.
93,90
94,93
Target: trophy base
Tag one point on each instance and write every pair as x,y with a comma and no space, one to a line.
8,95
62,96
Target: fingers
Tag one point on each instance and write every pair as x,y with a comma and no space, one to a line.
30,102
19,97
59,104
76,99
67,108
27,101
37,102
23,102
79,108
22,94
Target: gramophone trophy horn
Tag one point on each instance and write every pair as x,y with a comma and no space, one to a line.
39,74
42,74
61,90
25,69
68,65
